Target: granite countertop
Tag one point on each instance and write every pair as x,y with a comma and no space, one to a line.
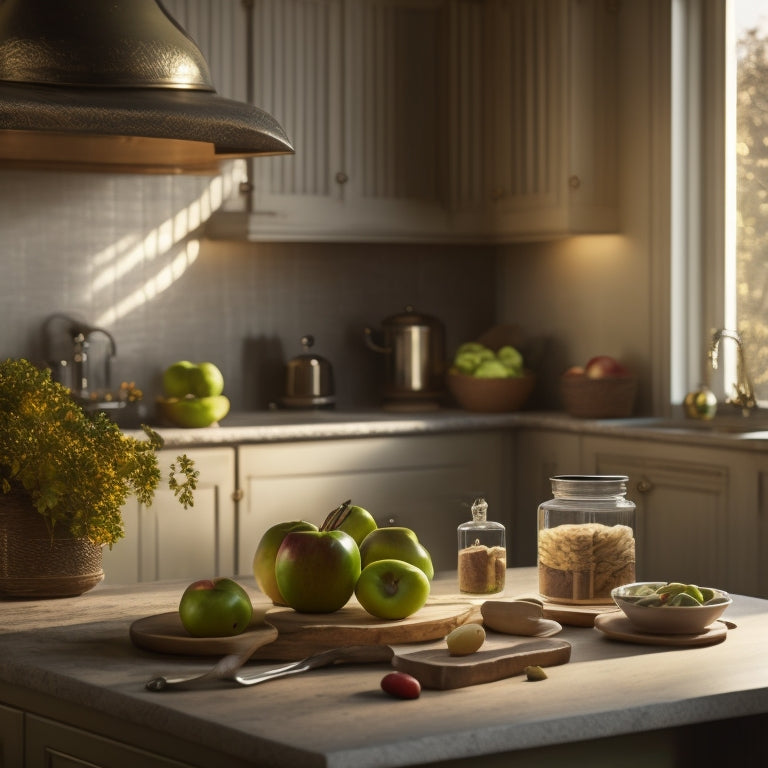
70,655
749,433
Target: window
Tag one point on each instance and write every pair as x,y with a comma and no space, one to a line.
719,192
746,257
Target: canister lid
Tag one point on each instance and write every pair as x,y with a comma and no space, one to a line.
410,317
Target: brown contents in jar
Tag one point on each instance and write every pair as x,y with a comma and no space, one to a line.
584,562
482,569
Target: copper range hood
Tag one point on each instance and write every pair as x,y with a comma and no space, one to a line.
116,85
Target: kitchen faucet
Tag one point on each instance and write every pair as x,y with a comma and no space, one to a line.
80,335
745,396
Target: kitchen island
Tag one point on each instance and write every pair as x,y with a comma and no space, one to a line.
72,683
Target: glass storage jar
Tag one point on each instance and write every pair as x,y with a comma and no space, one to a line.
586,539
482,553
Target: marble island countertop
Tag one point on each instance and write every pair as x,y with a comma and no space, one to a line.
71,661
747,433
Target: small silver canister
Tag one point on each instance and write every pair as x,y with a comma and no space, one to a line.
309,380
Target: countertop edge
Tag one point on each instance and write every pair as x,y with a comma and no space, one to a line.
280,426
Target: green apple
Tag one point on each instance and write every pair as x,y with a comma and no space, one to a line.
266,552
206,380
392,589
177,379
354,520
316,571
195,412
491,369
215,608
511,359
395,543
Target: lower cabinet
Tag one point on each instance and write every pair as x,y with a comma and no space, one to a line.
49,744
166,541
697,511
539,455
11,737
426,483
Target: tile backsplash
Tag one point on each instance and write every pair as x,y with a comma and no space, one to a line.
127,254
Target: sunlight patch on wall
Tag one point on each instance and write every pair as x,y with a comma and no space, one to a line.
166,251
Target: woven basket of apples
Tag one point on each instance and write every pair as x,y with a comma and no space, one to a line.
602,389
491,381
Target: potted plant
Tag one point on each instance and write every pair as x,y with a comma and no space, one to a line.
64,478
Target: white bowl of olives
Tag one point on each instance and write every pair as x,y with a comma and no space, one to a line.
670,608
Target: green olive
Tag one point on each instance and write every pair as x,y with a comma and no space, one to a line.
534,673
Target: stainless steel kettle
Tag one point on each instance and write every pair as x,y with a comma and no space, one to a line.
414,345
309,380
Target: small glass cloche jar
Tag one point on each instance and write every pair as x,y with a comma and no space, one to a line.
482,553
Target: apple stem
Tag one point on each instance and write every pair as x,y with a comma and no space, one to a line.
337,516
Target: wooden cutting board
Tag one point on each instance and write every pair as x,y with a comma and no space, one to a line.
287,635
436,668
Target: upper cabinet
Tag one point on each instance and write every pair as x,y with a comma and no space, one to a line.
432,120
551,111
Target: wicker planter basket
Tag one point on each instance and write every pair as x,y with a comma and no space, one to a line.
608,398
34,565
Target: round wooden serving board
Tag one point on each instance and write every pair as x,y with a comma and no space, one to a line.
164,633
618,627
288,635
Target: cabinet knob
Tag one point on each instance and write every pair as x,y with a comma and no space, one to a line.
644,485
341,178
238,495
574,182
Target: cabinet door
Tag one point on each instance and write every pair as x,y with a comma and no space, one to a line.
683,521
52,745
217,26
359,87
219,29
166,541
11,737
297,71
426,483
539,455
552,110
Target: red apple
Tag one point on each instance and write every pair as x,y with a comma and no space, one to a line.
603,366
215,608
266,552
316,571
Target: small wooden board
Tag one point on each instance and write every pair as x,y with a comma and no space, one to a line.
578,615
618,627
436,668
287,635
570,614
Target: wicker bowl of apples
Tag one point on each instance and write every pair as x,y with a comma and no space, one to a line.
602,389
485,380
